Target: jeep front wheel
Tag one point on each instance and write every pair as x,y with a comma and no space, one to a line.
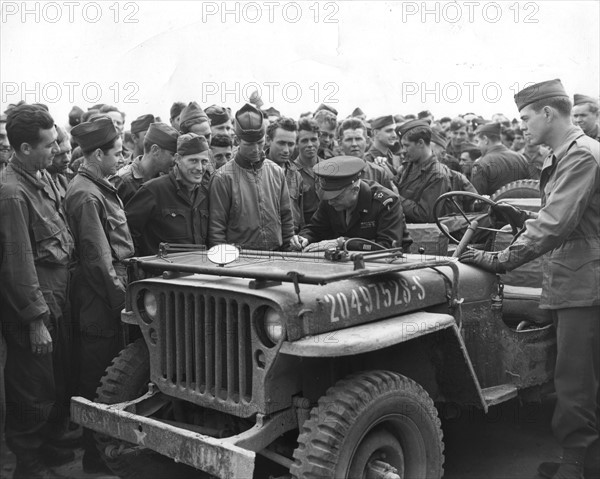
126,379
374,425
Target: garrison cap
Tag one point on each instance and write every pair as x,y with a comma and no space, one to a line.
162,135
457,123
273,112
382,122
75,116
191,144
192,114
437,138
581,99
323,106
492,128
410,125
249,125
217,114
338,173
540,91
94,134
357,112
141,123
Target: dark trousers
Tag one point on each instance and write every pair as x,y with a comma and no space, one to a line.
101,340
576,418
37,400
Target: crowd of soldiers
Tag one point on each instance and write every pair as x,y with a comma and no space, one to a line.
76,201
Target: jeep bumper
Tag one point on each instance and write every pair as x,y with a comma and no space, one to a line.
215,456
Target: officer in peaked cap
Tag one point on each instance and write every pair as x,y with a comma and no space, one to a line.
498,165
249,198
565,231
160,144
585,115
352,208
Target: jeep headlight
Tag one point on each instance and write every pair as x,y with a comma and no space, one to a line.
273,325
150,305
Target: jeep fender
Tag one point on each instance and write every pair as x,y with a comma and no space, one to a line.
457,374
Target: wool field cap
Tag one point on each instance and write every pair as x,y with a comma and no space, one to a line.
323,106
410,125
249,125
492,128
217,114
540,91
94,134
162,135
191,144
142,123
437,138
579,99
338,173
75,116
192,114
457,123
382,122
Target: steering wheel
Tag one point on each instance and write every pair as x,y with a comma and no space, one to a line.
473,223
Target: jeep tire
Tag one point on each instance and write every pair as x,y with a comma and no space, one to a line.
367,422
518,189
126,379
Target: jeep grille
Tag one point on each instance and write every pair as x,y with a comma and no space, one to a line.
206,346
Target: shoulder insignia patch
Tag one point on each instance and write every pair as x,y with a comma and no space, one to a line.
379,195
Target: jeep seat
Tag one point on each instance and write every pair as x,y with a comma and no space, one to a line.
521,303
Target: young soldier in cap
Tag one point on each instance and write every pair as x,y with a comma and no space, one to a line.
97,220
36,248
458,134
585,115
174,207
282,134
220,122
175,114
160,144
353,142
352,208
308,146
565,230
423,179
194,120
139,127
249,199
498,165
384,138
221,148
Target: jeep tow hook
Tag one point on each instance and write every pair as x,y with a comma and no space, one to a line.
378,469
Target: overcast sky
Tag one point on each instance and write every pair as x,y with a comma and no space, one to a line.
386,57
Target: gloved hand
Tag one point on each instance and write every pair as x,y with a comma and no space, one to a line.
484,259
510,214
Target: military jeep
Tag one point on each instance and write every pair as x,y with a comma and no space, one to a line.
330,365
